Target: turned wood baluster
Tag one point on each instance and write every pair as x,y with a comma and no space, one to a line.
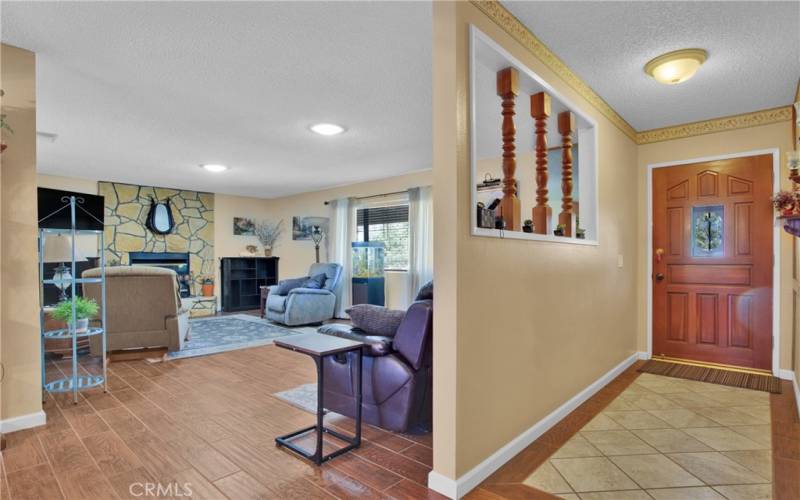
508,89
566,127
542,214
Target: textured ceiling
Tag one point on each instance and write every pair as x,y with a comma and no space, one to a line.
753,47
144,92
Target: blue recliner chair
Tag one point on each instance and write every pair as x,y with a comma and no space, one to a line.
303,306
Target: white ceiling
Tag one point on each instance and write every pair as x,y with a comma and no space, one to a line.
753,47
144,92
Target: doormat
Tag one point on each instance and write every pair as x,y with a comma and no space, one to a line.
719,376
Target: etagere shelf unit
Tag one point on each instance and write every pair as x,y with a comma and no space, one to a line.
77,380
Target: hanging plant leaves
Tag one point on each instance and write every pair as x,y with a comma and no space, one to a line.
160,219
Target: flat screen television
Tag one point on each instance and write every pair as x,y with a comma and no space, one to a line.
88,215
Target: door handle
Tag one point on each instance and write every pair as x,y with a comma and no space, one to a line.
659,276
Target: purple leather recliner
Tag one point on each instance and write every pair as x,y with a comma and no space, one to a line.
397,373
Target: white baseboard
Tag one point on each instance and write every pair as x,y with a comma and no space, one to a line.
23,422
457,488
786,374
643,355
796,394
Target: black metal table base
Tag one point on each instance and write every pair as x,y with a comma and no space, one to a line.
353,441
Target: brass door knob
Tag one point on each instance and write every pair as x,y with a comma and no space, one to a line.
659,276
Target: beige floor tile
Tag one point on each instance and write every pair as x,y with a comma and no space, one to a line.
729,416
652,402
681,418
577,447
655,471
747,492
715,469
760,412
758,461
621,404
761,434
667,387
636,419
671,441
694,493
723,439
616,495
618,443
592,474
635,389
741,398
546,478
569,496
601,423
693,400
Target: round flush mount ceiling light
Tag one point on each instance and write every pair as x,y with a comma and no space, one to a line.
214,167
676,67
327,129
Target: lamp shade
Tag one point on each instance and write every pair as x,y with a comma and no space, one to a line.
58,248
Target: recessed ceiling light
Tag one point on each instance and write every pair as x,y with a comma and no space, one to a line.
214,167
676,67
327,128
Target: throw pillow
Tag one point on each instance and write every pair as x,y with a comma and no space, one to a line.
426,292
286,286
316,282
376,320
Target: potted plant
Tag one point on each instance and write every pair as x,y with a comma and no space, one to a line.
268,233
84,310
527,226
580,232
208,286
559,230
785,202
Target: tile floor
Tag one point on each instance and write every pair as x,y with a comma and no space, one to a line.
667,439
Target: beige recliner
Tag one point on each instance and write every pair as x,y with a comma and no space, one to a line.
144,308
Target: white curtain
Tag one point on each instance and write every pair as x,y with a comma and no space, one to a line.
342,231
420,232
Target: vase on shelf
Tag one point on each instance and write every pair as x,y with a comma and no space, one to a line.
267,251
81,325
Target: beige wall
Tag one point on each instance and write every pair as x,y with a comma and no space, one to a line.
776,135
20,392
297,255
531,323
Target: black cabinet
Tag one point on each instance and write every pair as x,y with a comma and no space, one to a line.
242,278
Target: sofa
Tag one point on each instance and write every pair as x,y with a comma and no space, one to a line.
144,308
304,306
397,373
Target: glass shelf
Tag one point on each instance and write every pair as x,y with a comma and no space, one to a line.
69,231
65,384
69,281
64,333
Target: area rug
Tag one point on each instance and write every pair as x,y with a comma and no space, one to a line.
719,376
227,333
303,397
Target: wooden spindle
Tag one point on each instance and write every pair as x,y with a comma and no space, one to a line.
508,89
542,214
566,127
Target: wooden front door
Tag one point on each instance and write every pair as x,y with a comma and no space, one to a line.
712,262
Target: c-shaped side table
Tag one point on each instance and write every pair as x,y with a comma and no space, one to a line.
319,346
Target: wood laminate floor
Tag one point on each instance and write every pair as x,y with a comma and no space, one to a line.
203,424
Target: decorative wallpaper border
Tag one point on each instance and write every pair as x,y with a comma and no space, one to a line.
519,32
745,120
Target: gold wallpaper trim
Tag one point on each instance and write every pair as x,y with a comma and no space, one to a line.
745,120
514,27
495,11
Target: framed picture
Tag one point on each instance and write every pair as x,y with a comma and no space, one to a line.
302,226
243,226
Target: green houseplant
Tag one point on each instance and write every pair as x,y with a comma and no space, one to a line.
84,310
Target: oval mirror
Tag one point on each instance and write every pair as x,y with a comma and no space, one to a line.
160,220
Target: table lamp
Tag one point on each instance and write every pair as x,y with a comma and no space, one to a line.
58,249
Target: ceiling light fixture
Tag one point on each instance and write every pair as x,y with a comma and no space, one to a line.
214,167
327,129
676,67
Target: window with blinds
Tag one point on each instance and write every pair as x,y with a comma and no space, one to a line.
389,225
